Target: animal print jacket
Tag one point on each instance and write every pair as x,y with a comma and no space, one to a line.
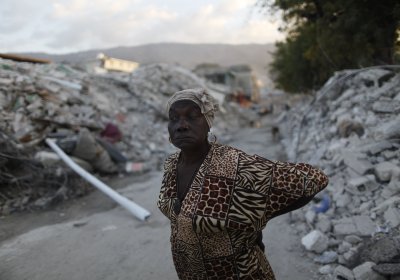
232,197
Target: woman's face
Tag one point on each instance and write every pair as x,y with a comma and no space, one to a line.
187,126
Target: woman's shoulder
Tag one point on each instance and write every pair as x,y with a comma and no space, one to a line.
170,160
226,150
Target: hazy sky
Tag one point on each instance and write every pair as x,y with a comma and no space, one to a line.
60,26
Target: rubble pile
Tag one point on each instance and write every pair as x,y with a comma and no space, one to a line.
352,131
109,123
26,184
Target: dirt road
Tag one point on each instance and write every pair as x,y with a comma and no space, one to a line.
92,238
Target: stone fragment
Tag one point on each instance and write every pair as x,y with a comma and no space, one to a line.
344,247
391,269
365,272
362,185
353,239
343,273
310,216
315,241
382,250
384,170
361,166
387,106
359,225
342,200
324,223
376,148
326,269
326,257
391,130
392,216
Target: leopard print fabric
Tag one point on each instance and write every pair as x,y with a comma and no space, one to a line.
231,199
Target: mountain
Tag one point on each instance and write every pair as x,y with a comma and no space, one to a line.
258,56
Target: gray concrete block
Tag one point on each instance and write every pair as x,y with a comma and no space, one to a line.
361,166
315,241
357,225
392,216
385,170
343,273
362,185
365,272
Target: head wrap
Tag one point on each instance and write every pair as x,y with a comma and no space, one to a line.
208,105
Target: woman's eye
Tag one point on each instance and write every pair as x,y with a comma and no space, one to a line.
173,118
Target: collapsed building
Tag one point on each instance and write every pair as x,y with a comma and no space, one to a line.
112,123
351,129
239,81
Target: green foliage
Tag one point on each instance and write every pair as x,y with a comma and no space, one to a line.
331,35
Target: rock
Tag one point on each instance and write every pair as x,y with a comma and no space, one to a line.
362,185
342,200
343,273
391,269
384,170
326,257
376,148
365,272
382,250
386,106
392,216
359,225
344,247
353,239
310,216
361,166
315,241
391,130
326,269
324,223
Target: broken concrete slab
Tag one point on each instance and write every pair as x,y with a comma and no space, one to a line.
388,269
343,273
384,170
392,216
360,225
361,166
365,272
362,185
315,241
378,147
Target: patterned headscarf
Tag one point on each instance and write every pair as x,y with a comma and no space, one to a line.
208,105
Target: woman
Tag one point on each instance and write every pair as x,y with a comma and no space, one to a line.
219,198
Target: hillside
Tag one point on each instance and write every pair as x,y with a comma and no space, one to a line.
258,56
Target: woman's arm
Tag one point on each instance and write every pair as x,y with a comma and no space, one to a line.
299,182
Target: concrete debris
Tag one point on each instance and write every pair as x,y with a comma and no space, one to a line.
315,241
352,131
390,269
343,273
365,272
113,123
326,269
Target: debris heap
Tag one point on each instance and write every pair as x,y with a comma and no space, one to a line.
89,114
352,131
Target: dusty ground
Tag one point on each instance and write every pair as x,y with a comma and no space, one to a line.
93,238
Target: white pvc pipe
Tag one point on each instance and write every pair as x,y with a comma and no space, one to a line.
135,209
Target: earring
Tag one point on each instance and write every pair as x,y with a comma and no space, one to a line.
215,137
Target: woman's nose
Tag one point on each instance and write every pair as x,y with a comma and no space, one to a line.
182,125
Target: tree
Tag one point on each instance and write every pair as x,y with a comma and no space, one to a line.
331,35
